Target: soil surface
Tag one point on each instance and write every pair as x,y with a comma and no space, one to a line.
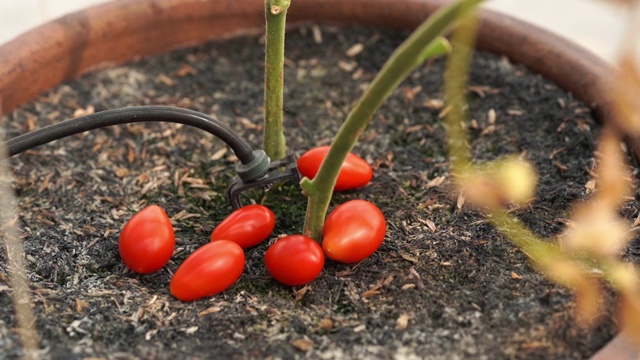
444,284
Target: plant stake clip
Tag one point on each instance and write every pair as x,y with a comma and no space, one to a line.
261,173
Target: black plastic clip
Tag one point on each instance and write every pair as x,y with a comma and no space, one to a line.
280,170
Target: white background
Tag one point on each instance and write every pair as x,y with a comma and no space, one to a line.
591,23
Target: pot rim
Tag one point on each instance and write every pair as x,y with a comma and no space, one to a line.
121,30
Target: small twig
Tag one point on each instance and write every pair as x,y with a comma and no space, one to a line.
16,265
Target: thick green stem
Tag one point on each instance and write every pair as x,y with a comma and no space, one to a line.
276,15
397,68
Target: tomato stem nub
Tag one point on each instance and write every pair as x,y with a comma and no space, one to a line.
308,187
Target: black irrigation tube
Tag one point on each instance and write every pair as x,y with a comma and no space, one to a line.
253,164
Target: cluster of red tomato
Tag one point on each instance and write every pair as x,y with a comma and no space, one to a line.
352,232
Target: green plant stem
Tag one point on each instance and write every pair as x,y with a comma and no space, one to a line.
542,253
274,140
397,68
456,77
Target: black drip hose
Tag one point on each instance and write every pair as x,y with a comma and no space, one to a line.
253,164
240,147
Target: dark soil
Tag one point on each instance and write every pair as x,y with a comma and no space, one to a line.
444,284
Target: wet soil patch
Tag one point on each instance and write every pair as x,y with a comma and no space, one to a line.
444,284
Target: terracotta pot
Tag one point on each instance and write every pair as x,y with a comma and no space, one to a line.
122,30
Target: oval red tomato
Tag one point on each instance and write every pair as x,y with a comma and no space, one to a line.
147,240
294,260
355,172
353,231
209,270
248,226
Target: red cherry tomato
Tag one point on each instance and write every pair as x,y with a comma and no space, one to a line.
355,172
294,260
209,270
147,240
353,231
248,226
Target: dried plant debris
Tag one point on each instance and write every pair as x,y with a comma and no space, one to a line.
444,284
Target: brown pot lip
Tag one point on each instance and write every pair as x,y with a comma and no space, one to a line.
121,30
563,62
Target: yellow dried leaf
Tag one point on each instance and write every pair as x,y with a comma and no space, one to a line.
317,34
460,201
32,122
122,172
81,305
347,66
248,124
435,182
491,116
408,286
354,50
370,293
435,104
218,154
402,321
303,344
166,80
186,70
430,224
211,310
82,112
325,324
